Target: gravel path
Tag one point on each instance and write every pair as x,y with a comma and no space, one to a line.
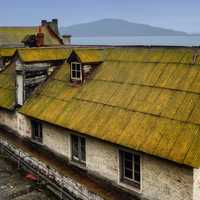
14,184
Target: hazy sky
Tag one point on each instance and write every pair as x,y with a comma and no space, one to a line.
176,14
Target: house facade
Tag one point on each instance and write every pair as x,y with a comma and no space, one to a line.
128,117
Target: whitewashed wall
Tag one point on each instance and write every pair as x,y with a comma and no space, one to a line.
16,122
196,188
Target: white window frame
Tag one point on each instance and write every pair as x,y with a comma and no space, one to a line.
76,78
78,158
123,178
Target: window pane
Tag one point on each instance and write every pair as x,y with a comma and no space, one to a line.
137,177
74,74
75,146
82,142
73,66
82,149
128,174
40,130
137,167
137,163
78,67
136,158
75,154
36,130
128,156
83,155
78,74
128,164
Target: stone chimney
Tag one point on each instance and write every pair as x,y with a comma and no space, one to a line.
54,25
66,39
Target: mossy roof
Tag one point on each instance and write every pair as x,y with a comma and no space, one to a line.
146,99
91,55
7,87
15,35
7,52
43,54
8,75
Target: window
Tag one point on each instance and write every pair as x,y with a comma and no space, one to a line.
130,168
36,131
76,71
78,148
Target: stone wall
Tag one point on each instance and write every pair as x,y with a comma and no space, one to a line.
196,188
15,122
165,180
102,159
56,139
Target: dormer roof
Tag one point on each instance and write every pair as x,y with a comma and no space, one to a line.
88,56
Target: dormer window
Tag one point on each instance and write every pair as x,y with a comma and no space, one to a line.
82,65
76,71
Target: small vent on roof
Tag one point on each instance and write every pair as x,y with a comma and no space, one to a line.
195,55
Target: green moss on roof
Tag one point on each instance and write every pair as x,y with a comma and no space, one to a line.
7,88
144,99
155,54
91,55
43,54
7,52
14,35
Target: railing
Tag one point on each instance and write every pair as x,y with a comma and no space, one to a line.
60,185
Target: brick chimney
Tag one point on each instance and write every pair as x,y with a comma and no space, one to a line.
40,38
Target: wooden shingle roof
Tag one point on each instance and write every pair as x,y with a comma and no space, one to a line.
146,99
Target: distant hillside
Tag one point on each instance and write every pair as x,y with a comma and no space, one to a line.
117,27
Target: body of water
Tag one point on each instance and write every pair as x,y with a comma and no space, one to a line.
139,40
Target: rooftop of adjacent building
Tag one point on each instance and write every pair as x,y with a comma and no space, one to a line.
17,36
